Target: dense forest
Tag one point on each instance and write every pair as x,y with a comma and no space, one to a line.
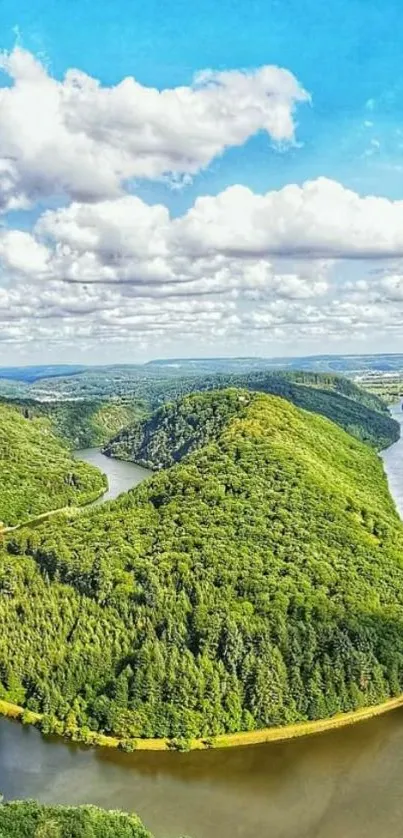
178,428
82,424
90,408
336,364
257,582
28,819
185,424
38,472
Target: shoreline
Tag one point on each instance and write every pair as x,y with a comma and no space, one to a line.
225,740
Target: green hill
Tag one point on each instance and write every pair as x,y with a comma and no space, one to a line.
179,427
27,819
82,424
92,407
38,473
257,582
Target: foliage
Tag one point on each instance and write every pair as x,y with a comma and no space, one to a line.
37,471
257,582
157,383
175,429
83,424
387,387
89,408
28,819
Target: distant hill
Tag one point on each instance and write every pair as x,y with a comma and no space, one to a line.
83,423
175,428
257,582
201,366
33,373
38,473
87,410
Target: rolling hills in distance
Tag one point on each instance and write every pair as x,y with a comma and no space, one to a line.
361,414
187,366
81,423
255,582
89,409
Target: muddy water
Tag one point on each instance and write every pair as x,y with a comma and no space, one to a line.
345,784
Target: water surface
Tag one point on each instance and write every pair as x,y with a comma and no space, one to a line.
343,784
393,462
121,476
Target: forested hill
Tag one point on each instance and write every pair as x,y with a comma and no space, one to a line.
257,582
179,427
37,471
27,819
322,381
82,423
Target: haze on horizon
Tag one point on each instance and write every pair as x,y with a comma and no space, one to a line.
222,181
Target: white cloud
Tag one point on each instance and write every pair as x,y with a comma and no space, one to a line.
22,253
321,218
233,272
78,137
127,241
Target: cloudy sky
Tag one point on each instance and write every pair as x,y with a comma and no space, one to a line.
210,178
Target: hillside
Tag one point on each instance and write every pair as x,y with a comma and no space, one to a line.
82,424
37,471
27,819
91,407
258,582
179,427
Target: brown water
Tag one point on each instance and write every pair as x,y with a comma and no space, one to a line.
343,784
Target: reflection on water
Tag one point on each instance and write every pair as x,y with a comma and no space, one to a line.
121,476
343,784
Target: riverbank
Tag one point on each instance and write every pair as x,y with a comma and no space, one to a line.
229,740
120,477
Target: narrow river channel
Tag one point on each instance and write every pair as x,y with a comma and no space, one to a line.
121,476
343,784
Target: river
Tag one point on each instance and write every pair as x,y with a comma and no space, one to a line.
121,476
393,462
342,784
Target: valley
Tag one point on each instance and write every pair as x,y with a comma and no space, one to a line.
272,453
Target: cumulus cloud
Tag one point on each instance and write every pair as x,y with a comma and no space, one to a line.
78,137
226,241
267,269
321,218
22,253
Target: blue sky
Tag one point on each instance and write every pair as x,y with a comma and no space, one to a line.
346,55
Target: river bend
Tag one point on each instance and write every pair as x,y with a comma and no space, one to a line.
347,783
